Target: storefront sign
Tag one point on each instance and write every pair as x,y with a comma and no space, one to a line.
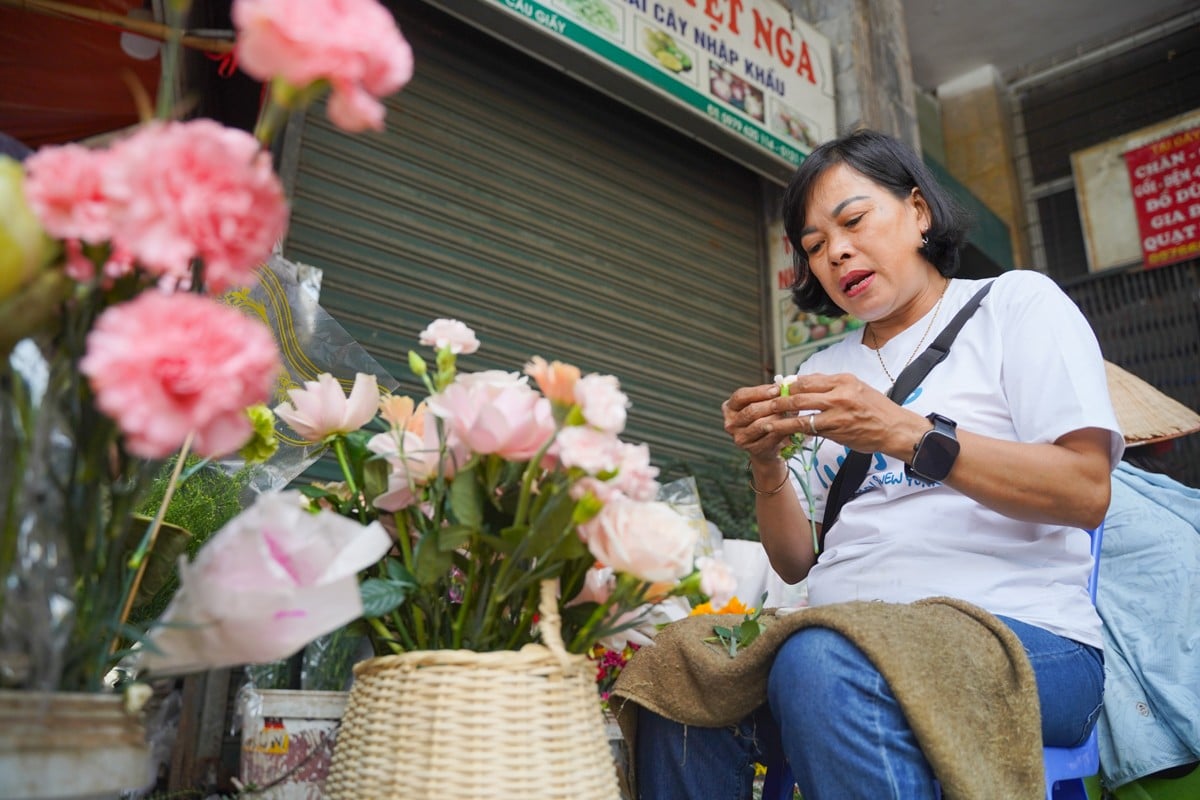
746,65
1165,178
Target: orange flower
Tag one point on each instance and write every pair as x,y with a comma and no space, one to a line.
555,379
734,606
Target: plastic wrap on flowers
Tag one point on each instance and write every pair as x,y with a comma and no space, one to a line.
311,342
683,495
36,597
415,722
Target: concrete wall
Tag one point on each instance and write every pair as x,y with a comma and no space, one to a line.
871,63
978,144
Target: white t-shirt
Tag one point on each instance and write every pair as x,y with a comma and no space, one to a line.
1026,367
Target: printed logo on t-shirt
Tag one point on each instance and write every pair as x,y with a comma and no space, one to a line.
879,474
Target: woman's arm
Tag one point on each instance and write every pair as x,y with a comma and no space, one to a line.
1064,483
760,423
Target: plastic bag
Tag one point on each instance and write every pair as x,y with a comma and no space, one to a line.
311,342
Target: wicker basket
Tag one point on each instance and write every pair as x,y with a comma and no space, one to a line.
455,724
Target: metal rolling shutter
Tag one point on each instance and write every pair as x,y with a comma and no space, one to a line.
552,220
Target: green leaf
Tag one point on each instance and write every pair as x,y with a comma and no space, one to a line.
172,542
375,478
315,492
570,548
381,597
514,535
466,502
748,631
430,561
453,537
398,572
499,544
551,523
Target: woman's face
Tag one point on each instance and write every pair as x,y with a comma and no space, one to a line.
862,242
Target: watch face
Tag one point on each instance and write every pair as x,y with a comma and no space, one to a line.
938,450
937,454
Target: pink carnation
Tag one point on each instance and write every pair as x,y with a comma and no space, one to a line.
636,476
184,190
353,44
593,451
164,365
452,334
602,402
65,188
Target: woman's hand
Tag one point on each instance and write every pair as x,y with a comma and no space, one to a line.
761,421
837,407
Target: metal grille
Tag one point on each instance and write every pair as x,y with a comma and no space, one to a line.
552,220
1148,321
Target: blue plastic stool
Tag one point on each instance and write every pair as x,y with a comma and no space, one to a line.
1066,767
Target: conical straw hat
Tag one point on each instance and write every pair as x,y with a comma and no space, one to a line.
1144,413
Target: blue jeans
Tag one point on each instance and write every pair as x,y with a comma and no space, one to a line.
834,716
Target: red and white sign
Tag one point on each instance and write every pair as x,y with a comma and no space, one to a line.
1165,178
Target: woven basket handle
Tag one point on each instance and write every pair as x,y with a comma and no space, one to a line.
550,624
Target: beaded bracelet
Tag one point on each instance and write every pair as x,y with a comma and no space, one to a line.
769,492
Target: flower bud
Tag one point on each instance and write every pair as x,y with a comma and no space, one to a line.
417,364
263,442
25,249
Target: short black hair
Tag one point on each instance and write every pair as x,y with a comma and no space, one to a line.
893,165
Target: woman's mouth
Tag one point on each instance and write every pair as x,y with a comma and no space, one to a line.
856,282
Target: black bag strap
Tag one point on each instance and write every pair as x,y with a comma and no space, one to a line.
854,467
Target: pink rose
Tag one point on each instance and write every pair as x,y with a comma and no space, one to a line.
64,186
185,190
602,402
162,365
495,412
452,334
321,409
273,579
353,44
648,540
556,379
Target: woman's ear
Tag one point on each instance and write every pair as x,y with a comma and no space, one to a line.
924,214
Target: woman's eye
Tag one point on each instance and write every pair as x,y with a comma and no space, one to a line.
850,223
814,248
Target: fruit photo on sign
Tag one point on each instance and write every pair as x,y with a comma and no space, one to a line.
664,49
596,13
802,327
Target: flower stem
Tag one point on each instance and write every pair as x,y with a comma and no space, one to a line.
339,448
385,635
139,560
270,119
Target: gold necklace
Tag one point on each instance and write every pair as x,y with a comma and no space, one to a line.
917,349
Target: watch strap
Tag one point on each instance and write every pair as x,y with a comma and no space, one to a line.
854,467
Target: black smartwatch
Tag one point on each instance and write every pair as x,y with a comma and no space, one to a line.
934,455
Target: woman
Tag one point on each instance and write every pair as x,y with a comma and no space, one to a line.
996,520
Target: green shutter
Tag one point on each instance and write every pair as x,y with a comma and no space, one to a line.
552,220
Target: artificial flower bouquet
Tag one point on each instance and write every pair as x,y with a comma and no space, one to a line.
116,351
452,512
